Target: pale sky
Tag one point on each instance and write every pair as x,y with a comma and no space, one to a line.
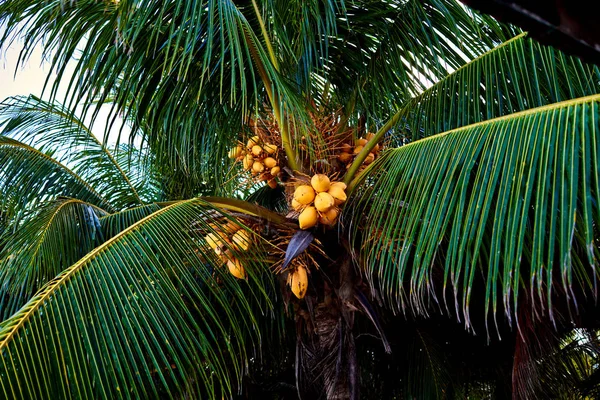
30,78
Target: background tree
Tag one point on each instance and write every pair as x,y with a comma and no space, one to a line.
455,256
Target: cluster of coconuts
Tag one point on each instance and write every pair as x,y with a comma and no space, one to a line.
317,202
348,152
227,237
298,281
258,158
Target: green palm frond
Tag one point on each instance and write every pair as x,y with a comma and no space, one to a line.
51,128
149,315
517,75
493,208
56,237
112,224
29,177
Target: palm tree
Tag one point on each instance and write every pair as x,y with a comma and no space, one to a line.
455,257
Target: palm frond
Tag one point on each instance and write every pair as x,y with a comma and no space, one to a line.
494,208
51,128
517,75
29,177
56,237
113,224
149,314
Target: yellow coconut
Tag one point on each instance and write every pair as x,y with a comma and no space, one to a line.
376,149
270,162
226,256
329,217
248,160
258,167
254,140
272,183
338,194
370,136
357,149
297,206
308,218
257,150
235,152
320,183
370,158
270,148
339,184
345,157
324,201
230,228
299,282
304,194
360,142
275,171
236,268
346,148
215,239
242,239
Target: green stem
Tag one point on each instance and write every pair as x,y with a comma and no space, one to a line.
247,208
266,36
273,98
360,158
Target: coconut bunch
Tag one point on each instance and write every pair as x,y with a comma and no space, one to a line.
348,152
259,158
319,201
225,238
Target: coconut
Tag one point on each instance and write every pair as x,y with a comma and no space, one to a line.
339,184
215,239
329,217
257,150
226,256
346,148
297,206
231,227
345,157
370,136
235,152
272,183
242,240
308,218
275,171
254,140
376,149
358,149
247,162
258,167
370,158
304,194
236,268
324,201
270,162
320,183
338,194
299,282
270,148
360,142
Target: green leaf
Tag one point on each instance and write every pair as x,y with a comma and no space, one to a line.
147,314
112,224
513,200
44,245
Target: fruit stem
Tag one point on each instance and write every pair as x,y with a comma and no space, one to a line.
360,158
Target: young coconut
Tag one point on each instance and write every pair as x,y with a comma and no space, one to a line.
329,217
242,240
254,140
270,162
248,161
258,167
370,158
339,184
215,240
308,218
345,157
358,149
275,171
236,268
338,194
236,152
297,206
320,183
324,201
298,282
270,148
361,142
304,194
257,150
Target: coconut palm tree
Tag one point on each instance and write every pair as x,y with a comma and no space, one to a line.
397,199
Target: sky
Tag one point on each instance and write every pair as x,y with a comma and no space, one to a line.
30,77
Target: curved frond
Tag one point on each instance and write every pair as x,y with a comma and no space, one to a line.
517,75
51,128
29,177
56,237
148,314
112,224
505,208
